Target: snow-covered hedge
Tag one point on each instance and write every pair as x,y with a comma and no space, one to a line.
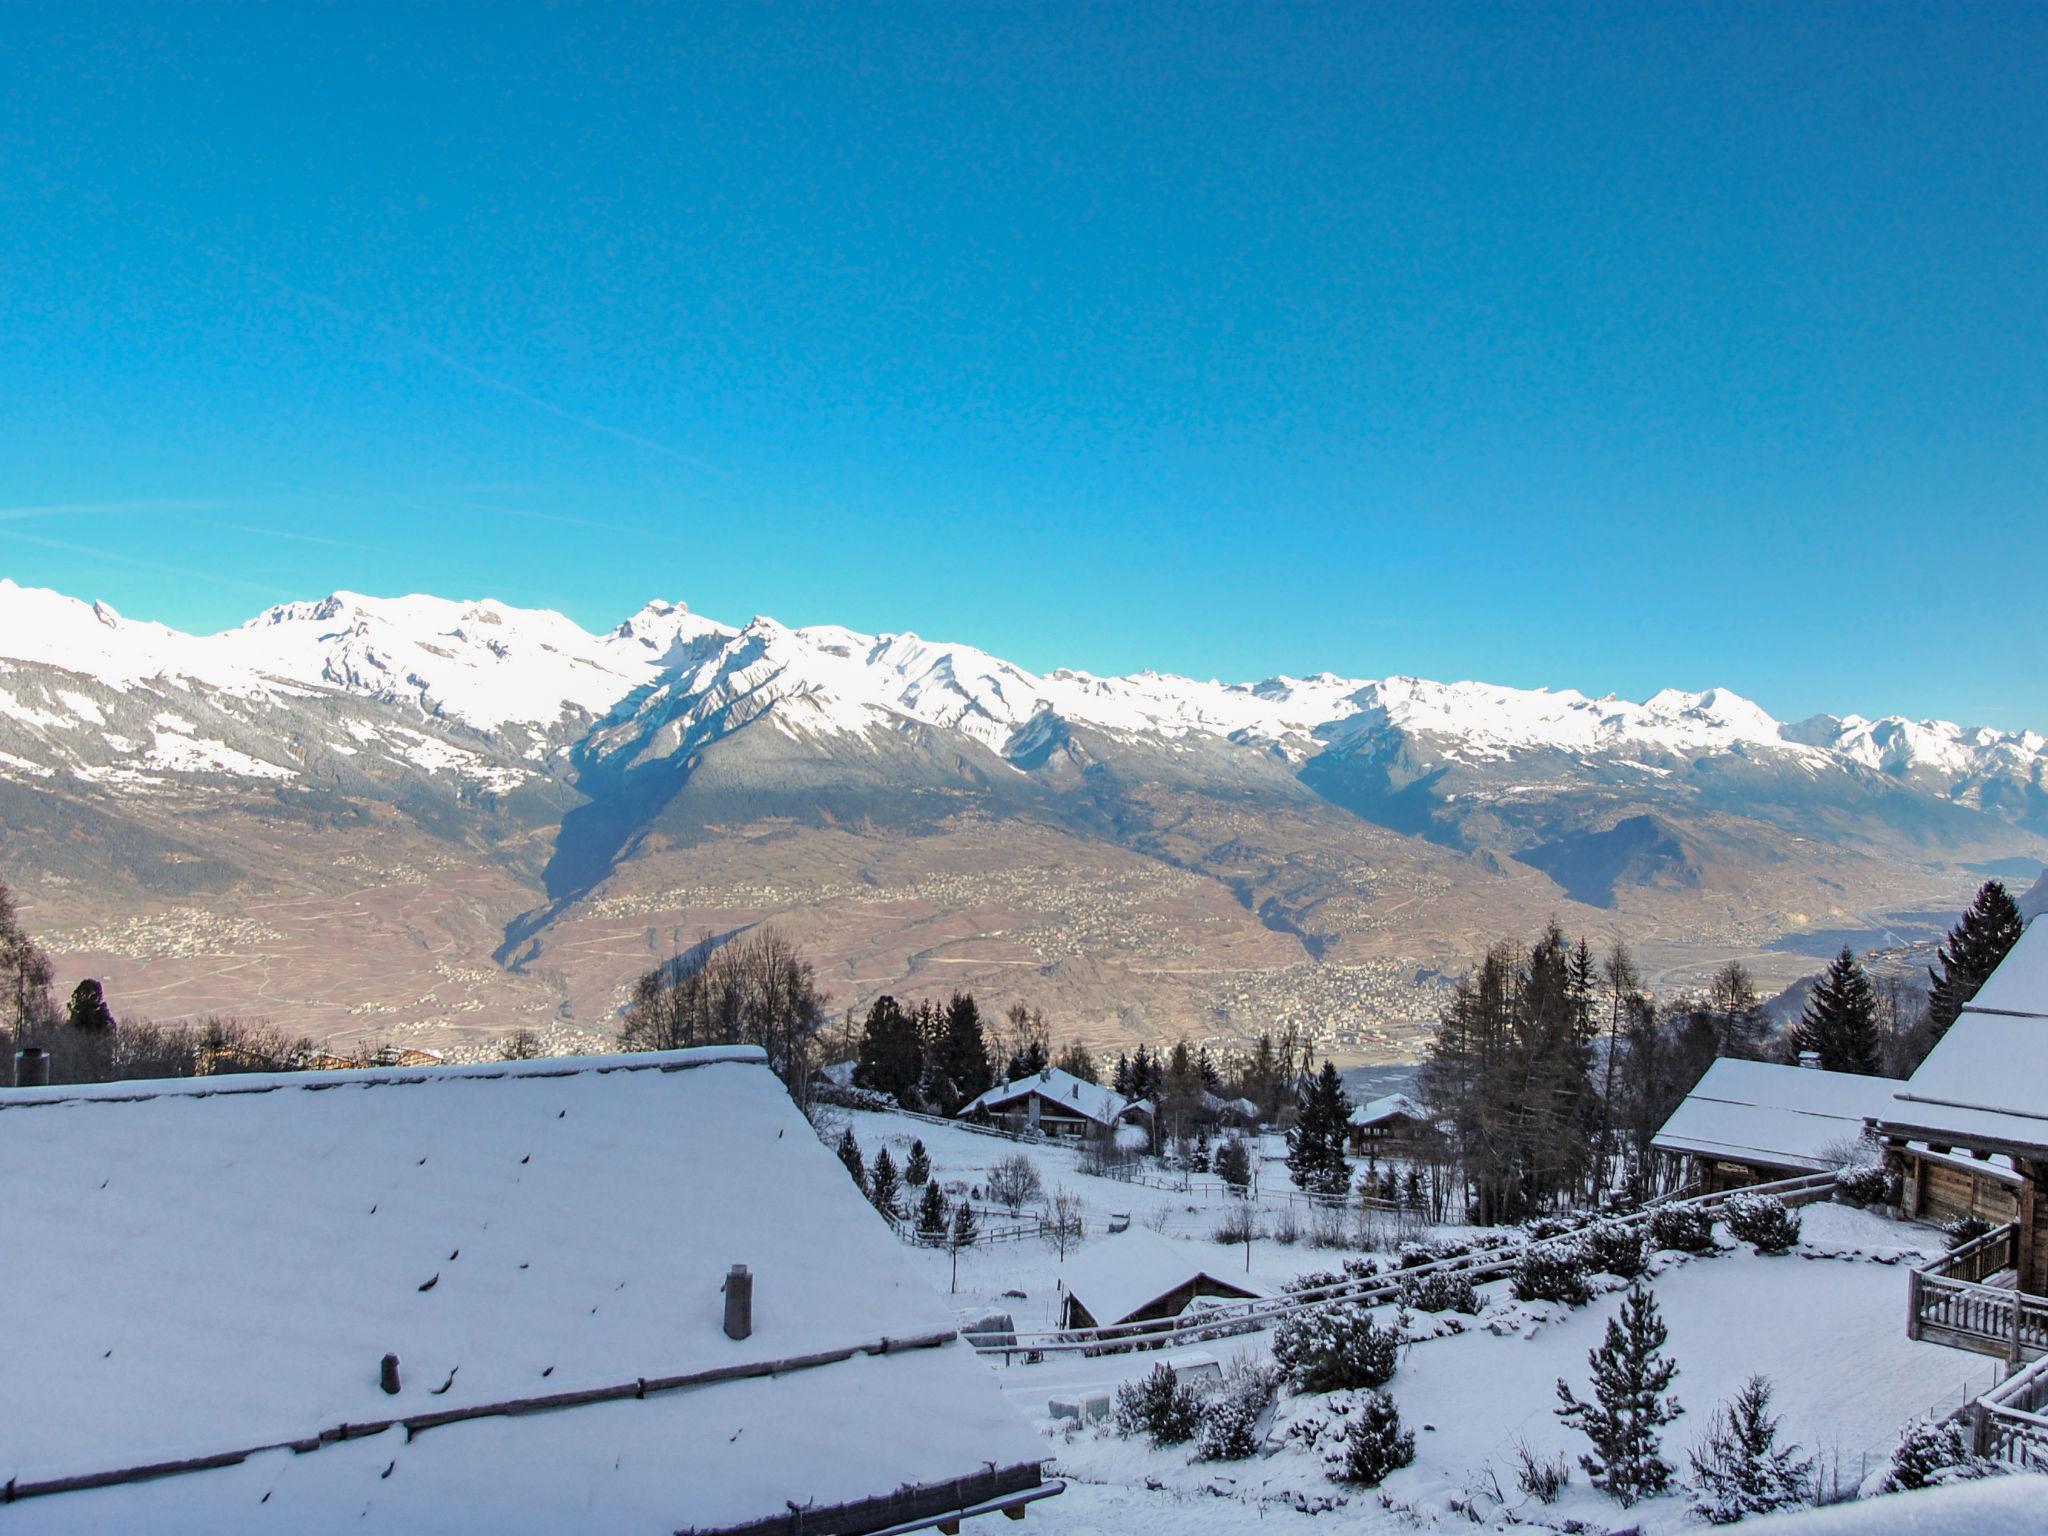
1763,1221
1553,1272
1682,1228
1440,1291
1614,1248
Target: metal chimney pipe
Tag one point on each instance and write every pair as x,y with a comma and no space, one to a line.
739,1302
31,1068
387,1375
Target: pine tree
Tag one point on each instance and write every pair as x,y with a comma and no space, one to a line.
931,1213
1234,1165
1630,1375
1076,1062
883,1184
917,1168
1120,1079
1975,946
849,1154
891,1057
1739,1469
1315,1147
961,1234
1205,1068
962,1069
1374,1443
1840,1021
88,1008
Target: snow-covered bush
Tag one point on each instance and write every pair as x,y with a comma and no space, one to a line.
1553,1272
1327,1349
1614,1248
1762,1221
1964,1229
1866,1184
1159,1408
1682,1228
1285,1228
1543,1479
1240,1224
1541,1228
1440,1291
1314,1280
1739,1469
1374,1444
1929,1453
1230,1415
1430,1251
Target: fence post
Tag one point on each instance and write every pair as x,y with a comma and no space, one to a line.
1913,1304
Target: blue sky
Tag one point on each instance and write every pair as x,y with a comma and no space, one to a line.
1604,347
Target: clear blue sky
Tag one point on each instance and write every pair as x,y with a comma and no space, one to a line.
1605,346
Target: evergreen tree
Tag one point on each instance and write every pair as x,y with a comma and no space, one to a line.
1145,1073
891,1057
1739,1469
1076,1062
1975,946
88,1008
931,1213
1315,1147
849,1154
961,1234
1840,1021
1234,1165
1120,1079
917,1168
1205,1068
1630,1375
883,1184
962,1070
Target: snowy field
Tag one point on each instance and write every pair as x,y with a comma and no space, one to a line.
1826,1324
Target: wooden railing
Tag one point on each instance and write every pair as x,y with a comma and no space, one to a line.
2010,1423
1948,1303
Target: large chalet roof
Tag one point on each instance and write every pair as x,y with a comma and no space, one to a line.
1091,1100
1985,1083
204,1269
1765,1113
1129,1271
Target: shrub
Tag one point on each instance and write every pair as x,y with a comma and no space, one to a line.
1431,1251
1014,1182
1329,1349
1763,1221
1440,1291
1374,1444
1553,1272
1965,1229
1866,1184
1541,1480
1361,1269
1682,1228
1285,1228
1158,1407
1615,1249
1230,1415
1240,1224
1540,1228
1315,1280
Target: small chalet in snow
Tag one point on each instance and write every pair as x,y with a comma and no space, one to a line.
456,1299
1980,1101
1386,1124
1055,1103
1139,1277
1752,1122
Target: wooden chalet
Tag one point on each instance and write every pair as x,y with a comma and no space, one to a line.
1139,1277
1386,1125
1980,1101
625,1293
1055,1103
1751,1122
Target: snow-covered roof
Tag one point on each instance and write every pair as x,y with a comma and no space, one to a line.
1779,1116
1995,1506
1392,1106
1127,1272
1985,1083
1102,1105
221,1264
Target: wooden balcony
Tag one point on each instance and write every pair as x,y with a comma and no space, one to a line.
1968,1299
2010,1423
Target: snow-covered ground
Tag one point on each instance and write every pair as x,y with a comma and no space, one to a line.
1825,1325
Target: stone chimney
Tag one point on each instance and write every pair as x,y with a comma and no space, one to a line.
739,1303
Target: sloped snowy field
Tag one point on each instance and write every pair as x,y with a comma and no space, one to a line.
1825,1324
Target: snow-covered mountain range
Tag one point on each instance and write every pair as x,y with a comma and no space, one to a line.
534,810
666,679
